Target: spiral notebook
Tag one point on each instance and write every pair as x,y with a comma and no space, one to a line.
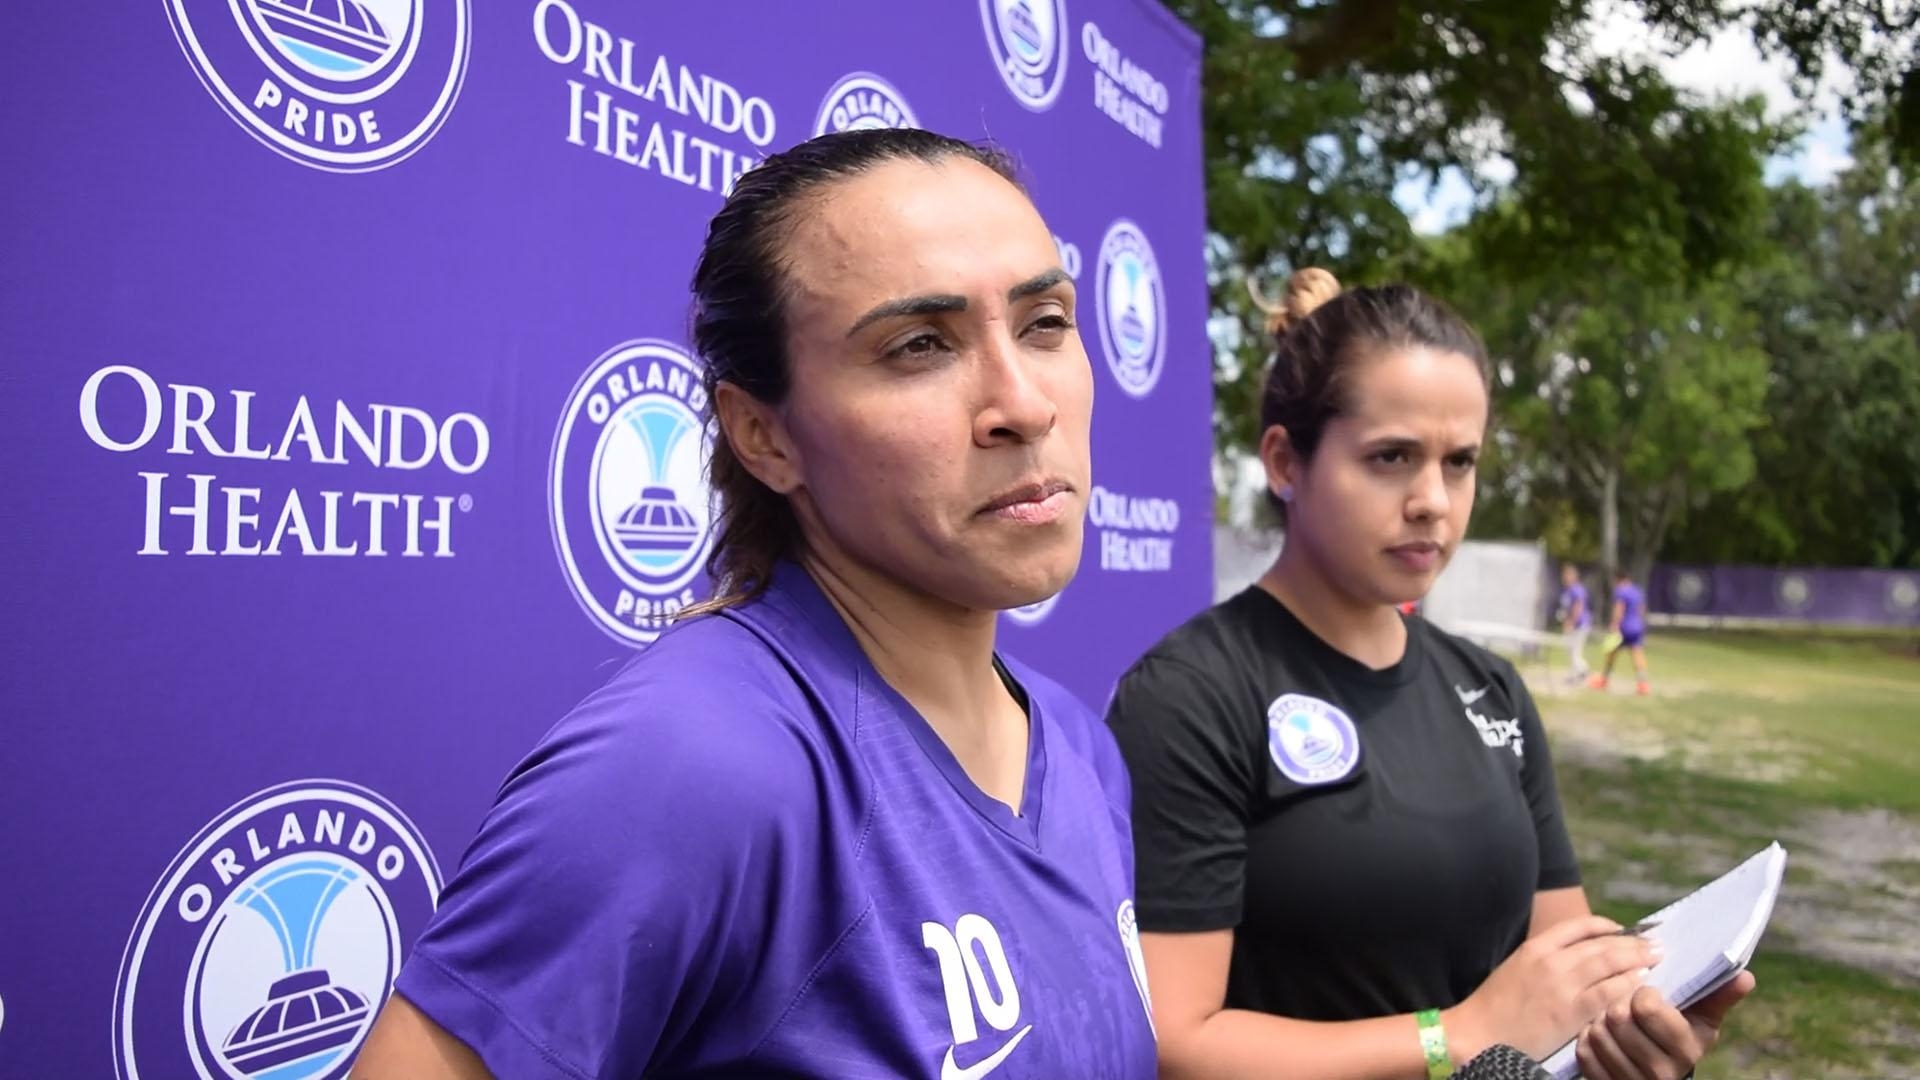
1709,936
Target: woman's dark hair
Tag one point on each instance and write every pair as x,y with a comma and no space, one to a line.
1320,334
740,328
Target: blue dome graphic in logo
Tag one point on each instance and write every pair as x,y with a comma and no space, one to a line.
1313,748
1132,304
341,38
656,531
1022,32
272,940
628,500
1131,328
306,1023
1027,40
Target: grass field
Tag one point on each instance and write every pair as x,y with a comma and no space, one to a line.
1747,739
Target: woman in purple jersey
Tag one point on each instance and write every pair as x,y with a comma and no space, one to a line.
823,829
1575,616
1627,632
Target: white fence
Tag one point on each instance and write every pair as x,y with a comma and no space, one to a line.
1498,592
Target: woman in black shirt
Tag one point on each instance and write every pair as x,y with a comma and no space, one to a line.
1351,863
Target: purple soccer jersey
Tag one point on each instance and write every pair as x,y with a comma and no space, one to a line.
1633,621
1577,593
747,855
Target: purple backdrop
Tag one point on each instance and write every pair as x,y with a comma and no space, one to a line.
1815,595
359,440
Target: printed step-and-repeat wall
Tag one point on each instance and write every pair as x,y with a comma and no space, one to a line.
329,328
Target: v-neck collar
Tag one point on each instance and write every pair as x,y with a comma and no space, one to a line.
876,701
1024,826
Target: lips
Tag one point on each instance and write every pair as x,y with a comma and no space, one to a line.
1035,503
1418,556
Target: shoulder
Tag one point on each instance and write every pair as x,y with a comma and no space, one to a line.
1195,661
1198,698
1469,659
1214,636
705,724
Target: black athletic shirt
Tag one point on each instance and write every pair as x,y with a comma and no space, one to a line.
1374,838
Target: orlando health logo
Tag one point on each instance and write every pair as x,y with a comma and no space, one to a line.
269,944
1132,304
627,494
1028,42
862,101
340,85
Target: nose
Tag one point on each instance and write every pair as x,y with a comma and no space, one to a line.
1015,407
1427,499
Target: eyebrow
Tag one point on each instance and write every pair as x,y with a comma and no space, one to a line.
933,304
1402,442
1036,284
940,303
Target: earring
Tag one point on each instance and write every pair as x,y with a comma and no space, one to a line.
1286,493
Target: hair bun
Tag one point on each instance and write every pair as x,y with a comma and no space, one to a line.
1307,289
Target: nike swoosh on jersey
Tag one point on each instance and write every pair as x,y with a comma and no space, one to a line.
1468,697
951,1071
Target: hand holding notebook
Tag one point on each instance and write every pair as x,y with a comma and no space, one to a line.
1708,937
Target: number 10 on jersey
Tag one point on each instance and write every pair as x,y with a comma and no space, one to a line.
973,969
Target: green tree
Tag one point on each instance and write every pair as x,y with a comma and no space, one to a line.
1837,307
1629,374
1315,111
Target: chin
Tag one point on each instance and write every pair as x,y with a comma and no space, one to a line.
1004,572
1405,590
1033,579
1033,585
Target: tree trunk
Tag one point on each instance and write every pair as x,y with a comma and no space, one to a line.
1610,520
1644,548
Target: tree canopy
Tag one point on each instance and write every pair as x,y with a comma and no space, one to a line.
1691,363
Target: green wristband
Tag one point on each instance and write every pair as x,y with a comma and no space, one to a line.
1433,1043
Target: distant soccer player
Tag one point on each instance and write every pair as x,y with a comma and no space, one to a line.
1628,631
1576,620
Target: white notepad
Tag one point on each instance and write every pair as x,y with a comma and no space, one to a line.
1708,936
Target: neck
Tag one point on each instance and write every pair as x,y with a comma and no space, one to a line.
938,656
1369,632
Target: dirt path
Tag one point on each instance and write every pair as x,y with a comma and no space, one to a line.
1854,892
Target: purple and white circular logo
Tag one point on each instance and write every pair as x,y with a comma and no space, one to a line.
1795,591
863,101
1028,42
1311,741
1903,595
271,941
1691,589
1132,305
340,85
631,512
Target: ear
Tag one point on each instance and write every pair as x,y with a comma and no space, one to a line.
1284,467
758,436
